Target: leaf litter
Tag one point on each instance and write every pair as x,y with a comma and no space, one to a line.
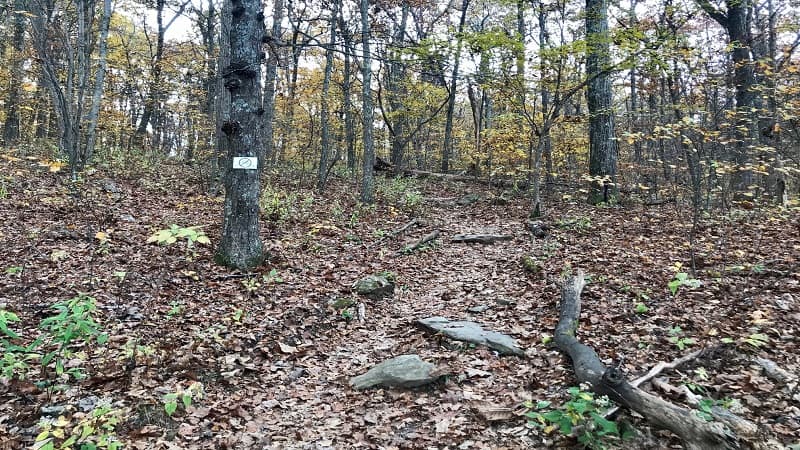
274,356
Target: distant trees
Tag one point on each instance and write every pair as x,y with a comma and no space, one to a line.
539,93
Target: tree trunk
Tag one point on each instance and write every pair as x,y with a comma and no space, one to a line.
11,128
447,150
270,79
241,246
99,78
602,140
347,84
368,182
325,154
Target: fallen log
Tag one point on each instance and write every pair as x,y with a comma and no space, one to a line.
481,238
726,431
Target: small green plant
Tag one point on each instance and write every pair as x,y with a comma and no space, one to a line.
73,323
95,431
279,206
682,279
401,192
103,242
581,416
579,224
192,235
14,270
186,397
237,315
677,338
176,308
13,363
756,340
3,190
272,277
641,308
251,285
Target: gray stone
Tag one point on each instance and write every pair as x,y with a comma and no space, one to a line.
375,287
468,199
53,410
473,333
87,404
403,371
479,309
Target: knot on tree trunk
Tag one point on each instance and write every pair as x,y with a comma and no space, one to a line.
231,128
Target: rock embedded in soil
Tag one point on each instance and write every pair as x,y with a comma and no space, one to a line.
471,332
375,287
403,371
469,199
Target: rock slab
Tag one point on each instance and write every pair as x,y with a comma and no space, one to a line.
472,332
402,371
375,287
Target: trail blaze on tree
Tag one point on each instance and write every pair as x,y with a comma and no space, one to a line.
241,245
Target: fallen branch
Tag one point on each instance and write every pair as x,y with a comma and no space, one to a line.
657,369
405,227
481,238
725,432
425,239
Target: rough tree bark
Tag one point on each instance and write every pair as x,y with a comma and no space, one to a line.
241,246
602,142
726,431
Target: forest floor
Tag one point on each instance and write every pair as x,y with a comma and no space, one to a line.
266,357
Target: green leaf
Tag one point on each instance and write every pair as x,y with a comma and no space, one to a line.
186,397
541,404
203,239
102,338
170,407
606,425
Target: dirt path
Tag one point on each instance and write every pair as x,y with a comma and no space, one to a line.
274,356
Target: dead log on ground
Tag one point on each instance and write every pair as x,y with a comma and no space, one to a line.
481,238
726,431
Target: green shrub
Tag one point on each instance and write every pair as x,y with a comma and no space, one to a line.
581,417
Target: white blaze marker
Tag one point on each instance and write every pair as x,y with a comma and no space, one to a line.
245,162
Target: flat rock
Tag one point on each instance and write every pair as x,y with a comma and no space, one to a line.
375,287
402,371
472,332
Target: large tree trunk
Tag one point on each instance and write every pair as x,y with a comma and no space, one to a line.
241,246
725,432
368,115
602,139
